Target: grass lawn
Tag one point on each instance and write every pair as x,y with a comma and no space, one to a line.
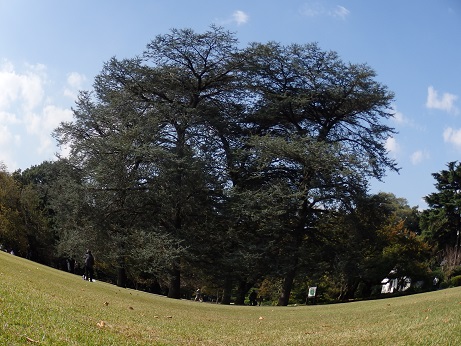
44,306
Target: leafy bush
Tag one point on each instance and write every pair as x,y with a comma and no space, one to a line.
444,285
455,281
456,271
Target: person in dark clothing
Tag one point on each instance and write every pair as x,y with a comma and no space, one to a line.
89,263
260,300
252,298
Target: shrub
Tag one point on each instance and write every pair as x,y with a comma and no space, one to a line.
456,271
455,281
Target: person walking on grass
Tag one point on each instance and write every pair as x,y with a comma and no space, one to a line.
198,295
89,263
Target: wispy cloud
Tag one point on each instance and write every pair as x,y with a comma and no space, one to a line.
341,12
402,120
238,17
418,157
315,9
392,146
452,136
399,118
445,102
43,123
75,82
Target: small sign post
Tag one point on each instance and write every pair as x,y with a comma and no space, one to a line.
311,294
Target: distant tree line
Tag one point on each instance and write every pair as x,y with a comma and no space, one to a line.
202,164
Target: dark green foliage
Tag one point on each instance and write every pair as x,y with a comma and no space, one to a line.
319,139
361,245
441,222
24,226
455,281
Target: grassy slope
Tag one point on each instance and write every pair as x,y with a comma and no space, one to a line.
40,305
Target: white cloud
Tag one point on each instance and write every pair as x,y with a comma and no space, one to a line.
8,118
341,12
53,116
25,88
452,136
392,146
5,135
398,116
75,83
418,156
28,114
75,79
446,102
8,141
401,120
44,123
315,9
240,17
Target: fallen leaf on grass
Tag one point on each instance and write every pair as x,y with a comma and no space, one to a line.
101,324
131,308
106,303
32,340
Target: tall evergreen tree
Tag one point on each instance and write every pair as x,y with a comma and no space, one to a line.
441,221
320,133
151,130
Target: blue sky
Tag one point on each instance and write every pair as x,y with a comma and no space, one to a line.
50,49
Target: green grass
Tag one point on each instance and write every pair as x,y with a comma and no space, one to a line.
43,306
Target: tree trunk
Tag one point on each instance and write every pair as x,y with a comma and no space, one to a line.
287,286
174,286
349,292
227,292
121,277
291,274
348,289
241,293
121,270
367,289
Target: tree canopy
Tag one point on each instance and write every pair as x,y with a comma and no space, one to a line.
441,222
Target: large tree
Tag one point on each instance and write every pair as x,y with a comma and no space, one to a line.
24,227
148,134
441,221
320,133
197,139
